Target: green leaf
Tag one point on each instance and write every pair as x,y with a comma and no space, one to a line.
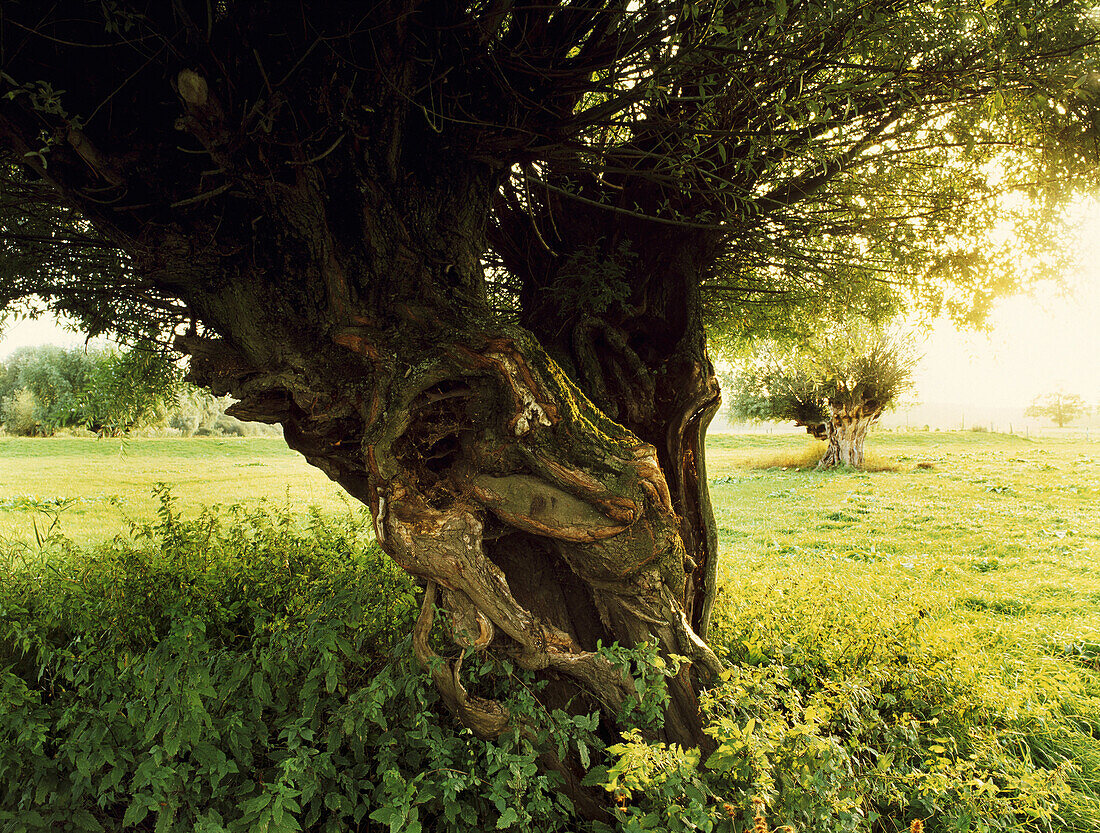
385,815
260,688
137,811
595,776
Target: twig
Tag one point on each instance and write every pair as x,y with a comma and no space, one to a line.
203,196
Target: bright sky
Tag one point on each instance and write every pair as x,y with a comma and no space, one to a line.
29,333
1035,344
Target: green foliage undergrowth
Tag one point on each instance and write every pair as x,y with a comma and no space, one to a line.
241,672
249,670
835,717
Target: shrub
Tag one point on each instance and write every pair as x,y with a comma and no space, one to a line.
244,671
229,426
18,413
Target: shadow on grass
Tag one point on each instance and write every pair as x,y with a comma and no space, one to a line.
806,459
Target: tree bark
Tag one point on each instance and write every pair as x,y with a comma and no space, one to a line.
544,526
337,283
642,358
539,526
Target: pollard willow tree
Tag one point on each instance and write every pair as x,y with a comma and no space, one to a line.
309,195
836,386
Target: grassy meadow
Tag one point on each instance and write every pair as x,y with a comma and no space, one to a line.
919,640
973,555
96,487
998,506
998,528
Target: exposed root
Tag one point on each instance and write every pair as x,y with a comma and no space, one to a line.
602,679
581,484
653,481
694,648
487,719
446,548
529,411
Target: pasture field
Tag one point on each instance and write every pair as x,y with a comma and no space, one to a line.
97,487
997,533
921,640
979,553
1010,525
996,528
989,498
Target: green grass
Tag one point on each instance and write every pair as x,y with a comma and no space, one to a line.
100,486
997,519
981,551
982,522
1001,537
993,518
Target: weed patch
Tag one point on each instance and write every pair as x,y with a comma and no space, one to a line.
245,671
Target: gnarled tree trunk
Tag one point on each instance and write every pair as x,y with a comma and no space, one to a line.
641,358
545,526
327,239
845,433
540,525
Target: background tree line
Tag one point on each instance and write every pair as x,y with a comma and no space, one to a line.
109,391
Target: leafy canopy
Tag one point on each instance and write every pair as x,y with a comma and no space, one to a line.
825,158
845,369
826,154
